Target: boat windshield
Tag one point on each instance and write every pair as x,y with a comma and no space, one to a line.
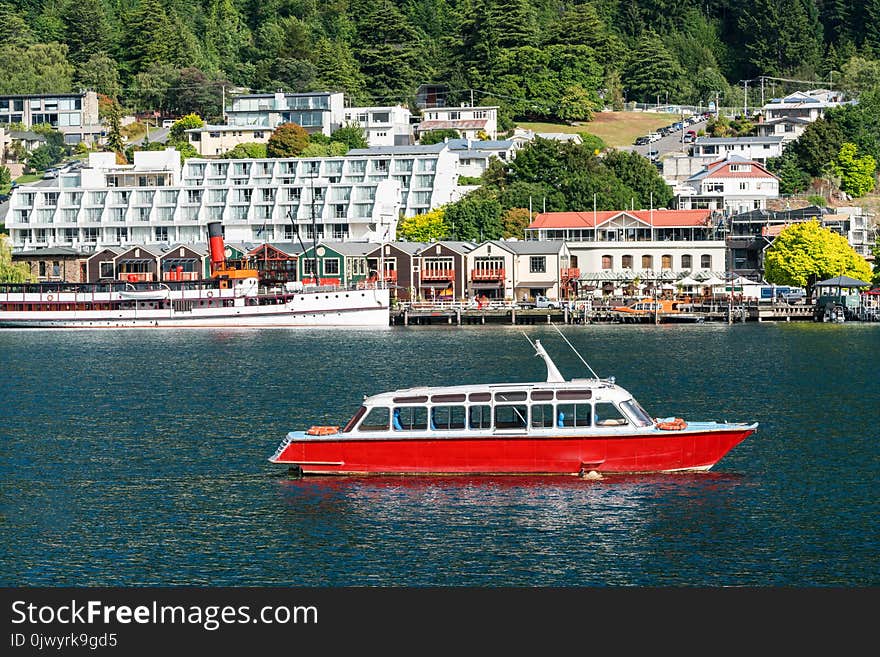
354,420
636,413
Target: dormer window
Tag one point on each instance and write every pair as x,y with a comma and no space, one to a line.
745,168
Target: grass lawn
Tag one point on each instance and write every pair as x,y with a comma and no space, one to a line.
28,178
614,128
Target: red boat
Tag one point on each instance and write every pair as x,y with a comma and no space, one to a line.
574,427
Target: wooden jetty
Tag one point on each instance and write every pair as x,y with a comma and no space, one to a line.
459,314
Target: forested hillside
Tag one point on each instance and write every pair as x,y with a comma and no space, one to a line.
535,58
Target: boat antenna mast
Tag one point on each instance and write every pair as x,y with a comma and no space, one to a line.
313,174
587,365
553,373
299,237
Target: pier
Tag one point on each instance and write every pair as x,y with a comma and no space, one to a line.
595,312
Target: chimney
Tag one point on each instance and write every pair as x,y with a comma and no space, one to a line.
215,240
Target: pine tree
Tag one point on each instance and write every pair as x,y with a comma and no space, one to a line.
149,37
651,72
87,31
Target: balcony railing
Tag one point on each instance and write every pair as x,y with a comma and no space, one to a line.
569,273
438,274
390,275
494,274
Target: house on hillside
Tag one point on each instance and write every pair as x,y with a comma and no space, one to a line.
470,122
759,149
734,185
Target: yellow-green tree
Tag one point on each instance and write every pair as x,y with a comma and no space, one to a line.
515,222
424,227
9,272
806,252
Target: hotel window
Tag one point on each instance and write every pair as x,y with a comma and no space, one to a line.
339,211
626,262
607,262
537,264
687,262
161,233
647,262
744,185
705,262
666,262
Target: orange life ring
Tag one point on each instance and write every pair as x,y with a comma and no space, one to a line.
322,431
49,297
675,424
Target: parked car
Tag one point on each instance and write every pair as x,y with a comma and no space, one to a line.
652,154
690,136
50,173
653,136
4,198
641,141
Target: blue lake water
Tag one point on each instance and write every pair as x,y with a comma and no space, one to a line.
140,458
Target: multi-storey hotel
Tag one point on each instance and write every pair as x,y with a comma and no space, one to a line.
359,196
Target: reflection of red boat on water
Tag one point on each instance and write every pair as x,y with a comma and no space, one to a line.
551,427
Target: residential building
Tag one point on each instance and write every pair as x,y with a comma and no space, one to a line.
336,263
808,105
787,127
750,234
613,249
382,126
470,122
518,270
75,115
359,196
758,149
733,184
215,140
319,111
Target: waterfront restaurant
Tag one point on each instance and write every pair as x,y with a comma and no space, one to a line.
635,250
518,270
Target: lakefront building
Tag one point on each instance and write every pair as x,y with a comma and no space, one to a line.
649,248
359,196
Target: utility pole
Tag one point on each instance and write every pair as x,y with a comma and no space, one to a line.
762,91
223,104
745,98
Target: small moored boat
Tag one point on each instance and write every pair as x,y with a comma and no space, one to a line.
555,427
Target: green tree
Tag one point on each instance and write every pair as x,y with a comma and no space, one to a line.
575,104
651,72
181,125
389,50
423,227
514,222
437,136
248,150
39,68
782,37
876,251
352,135
114,134
9,272
226,34
475,218
87,31
806,252
817,146
149,39
101,74
856,173
337,68
288,140
792,179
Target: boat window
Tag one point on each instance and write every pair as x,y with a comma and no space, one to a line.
574,394
409,418
418,399
510,396
607,415
636,413
480,417
542,395
447,417
542,415
573,415
446,399
479,396
376,419
354,419
511,416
